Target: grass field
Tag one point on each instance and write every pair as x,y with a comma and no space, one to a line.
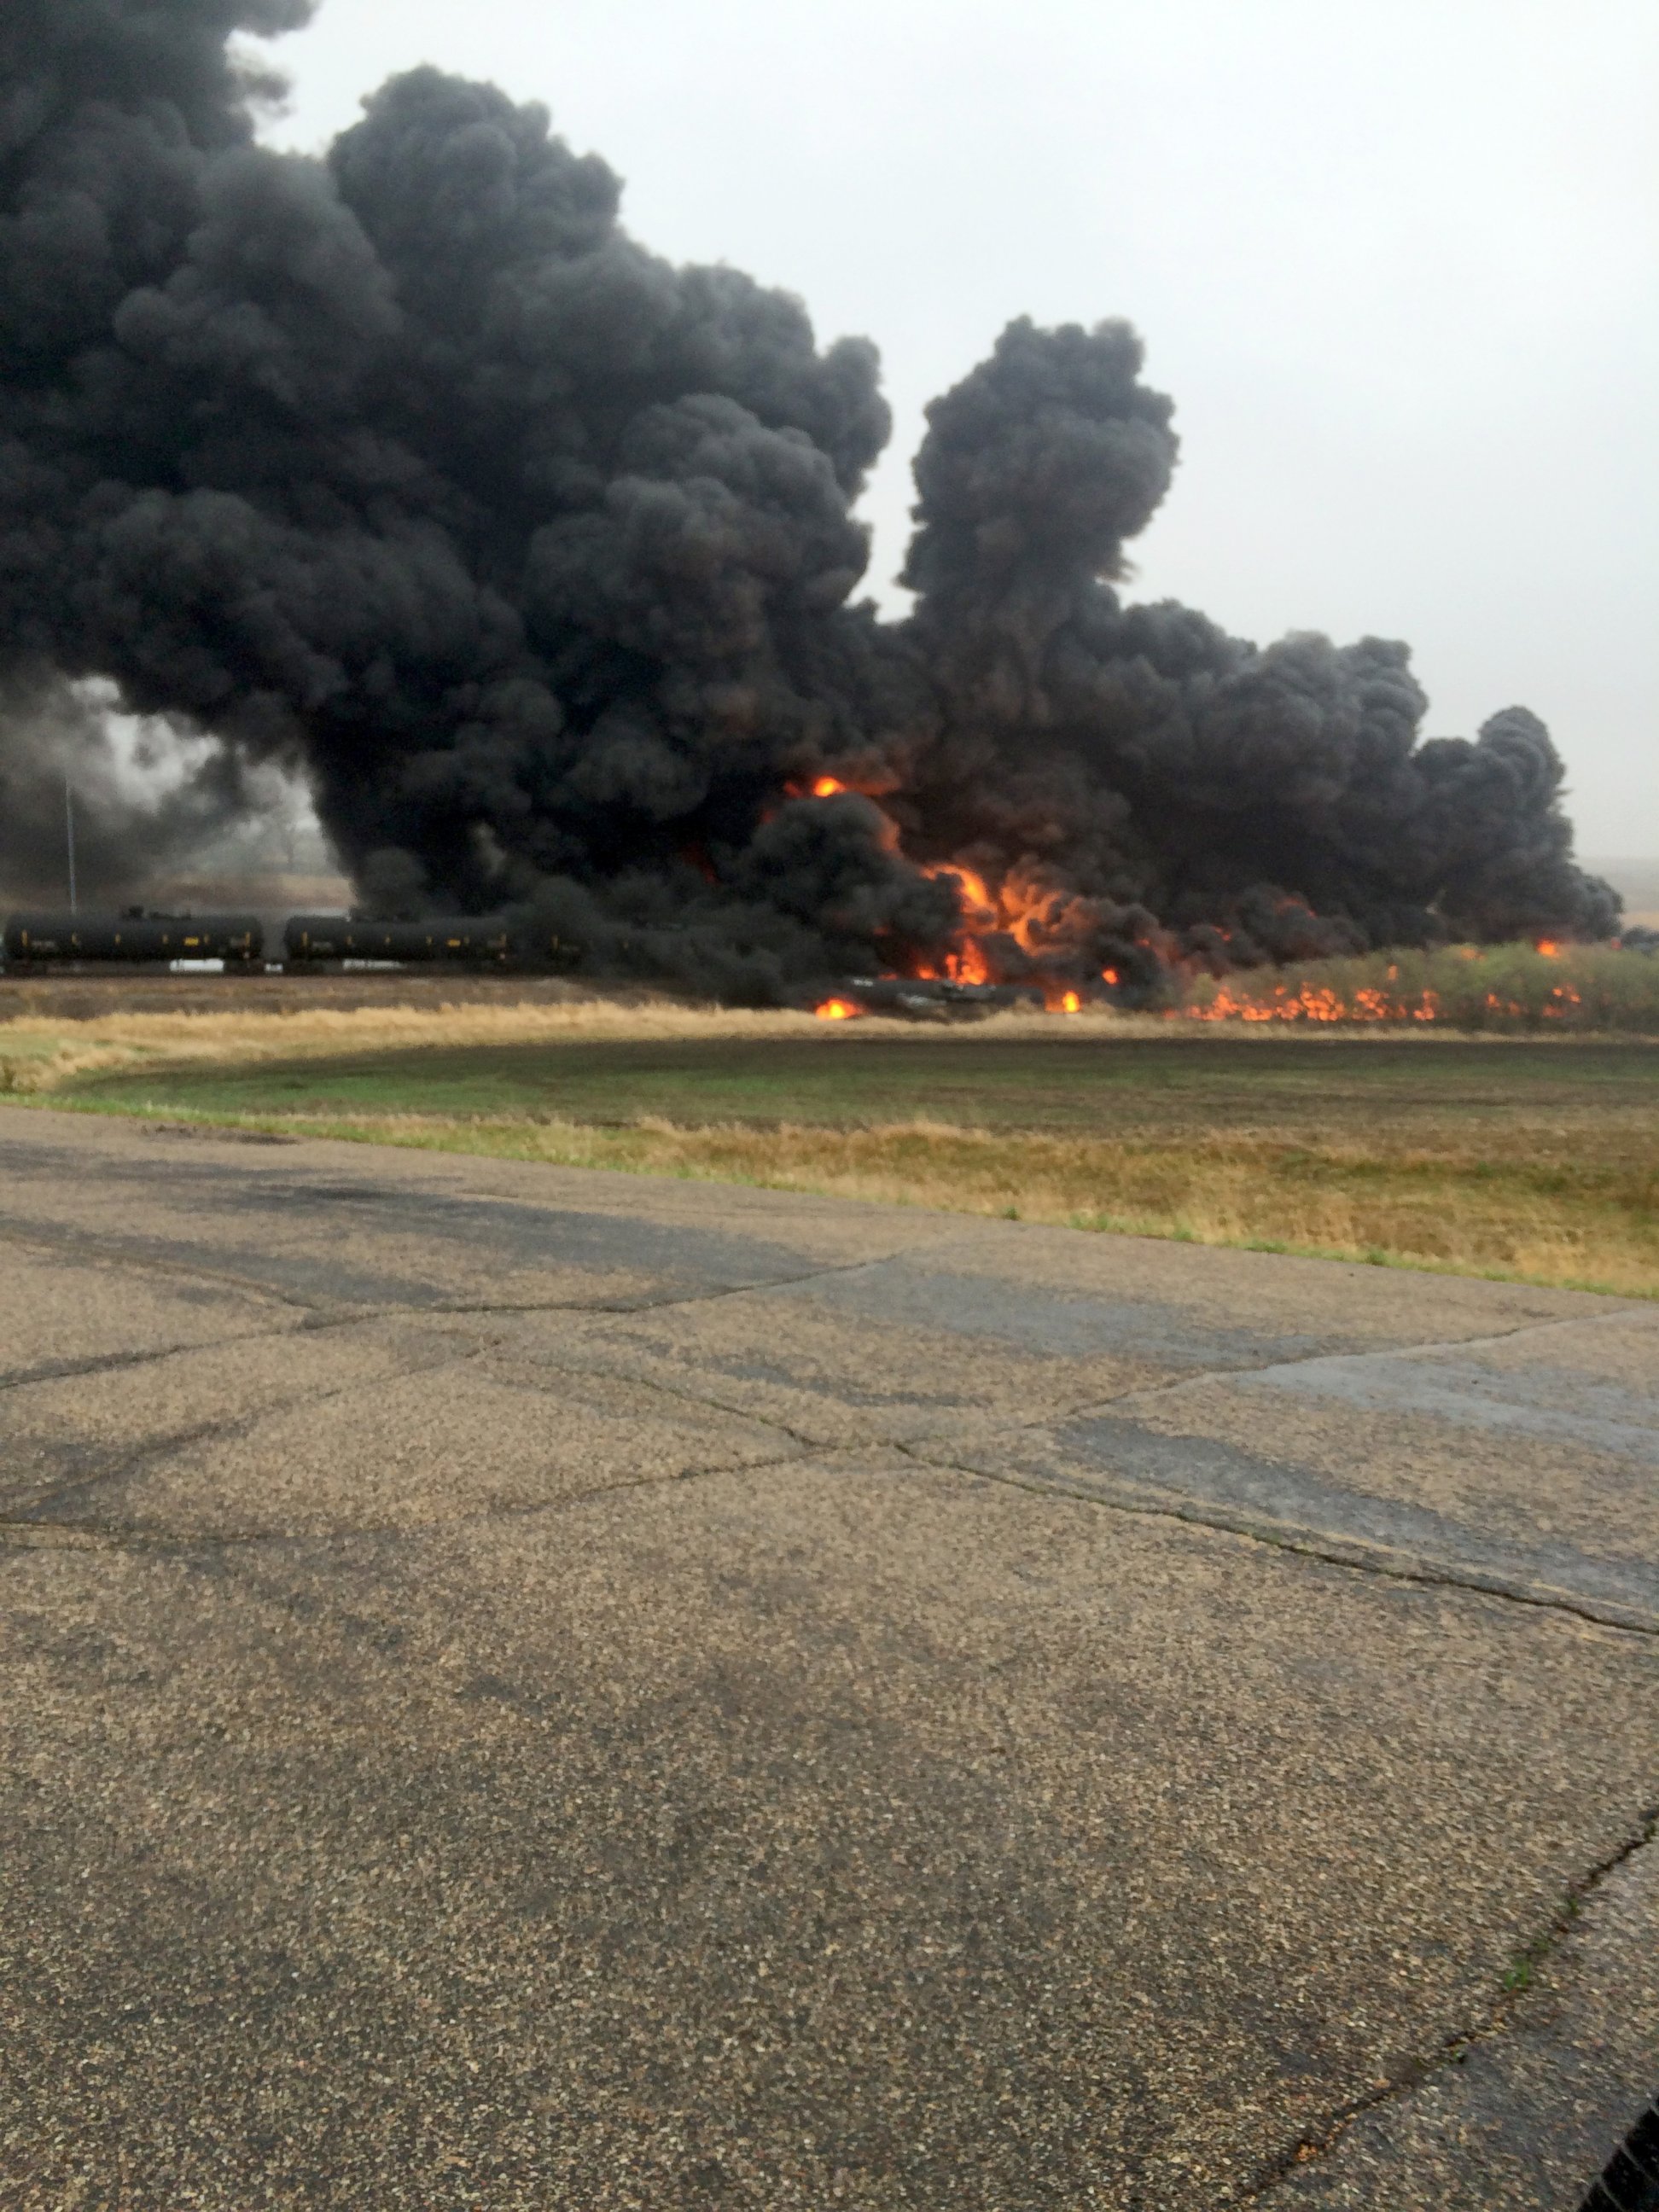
1532,1158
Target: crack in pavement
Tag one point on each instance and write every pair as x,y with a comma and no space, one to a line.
1429,1350
665,1303
84,1248
1300,1540
23,1533
1409,2079
227,1429
16,1522
321,1323
1054,1412
1309,1543
88,1536
316,1318
1456,1396
1070,1409
117,1363
686,1397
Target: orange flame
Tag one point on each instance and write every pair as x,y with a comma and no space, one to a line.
1310,1003
1550,950
836,1010
1050,925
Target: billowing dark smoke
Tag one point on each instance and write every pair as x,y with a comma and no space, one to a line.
540,553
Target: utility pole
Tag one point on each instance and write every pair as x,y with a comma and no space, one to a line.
69,827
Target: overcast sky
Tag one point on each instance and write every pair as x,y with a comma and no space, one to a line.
1395,259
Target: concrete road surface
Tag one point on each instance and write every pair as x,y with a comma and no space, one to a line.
527,1688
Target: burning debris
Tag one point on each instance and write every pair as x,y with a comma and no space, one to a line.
922,999
409,466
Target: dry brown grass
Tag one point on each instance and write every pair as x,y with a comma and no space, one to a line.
1436,1207
38,1053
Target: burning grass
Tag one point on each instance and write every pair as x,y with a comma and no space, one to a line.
1530,1158
1505,990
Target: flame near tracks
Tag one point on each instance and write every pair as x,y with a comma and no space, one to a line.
1029,935
1462,990
1023,933
1506,989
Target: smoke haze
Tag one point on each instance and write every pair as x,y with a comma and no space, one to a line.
540,554
148,804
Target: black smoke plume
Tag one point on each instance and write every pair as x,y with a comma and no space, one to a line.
540,553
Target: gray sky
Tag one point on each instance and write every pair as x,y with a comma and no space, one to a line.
1395,259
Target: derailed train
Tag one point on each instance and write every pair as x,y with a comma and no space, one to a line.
311,944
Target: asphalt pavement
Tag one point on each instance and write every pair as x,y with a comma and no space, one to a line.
530,1688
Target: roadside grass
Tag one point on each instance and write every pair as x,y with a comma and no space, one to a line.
1533,1160
1594,1230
